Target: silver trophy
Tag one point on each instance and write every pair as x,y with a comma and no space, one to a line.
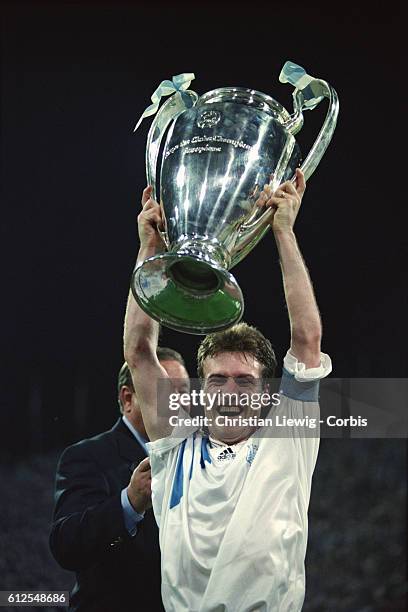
220,151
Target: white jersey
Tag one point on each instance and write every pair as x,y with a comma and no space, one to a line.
233,520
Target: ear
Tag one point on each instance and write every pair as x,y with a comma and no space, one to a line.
125,397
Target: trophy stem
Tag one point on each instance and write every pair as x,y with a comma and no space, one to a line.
196,270
194,276
188,289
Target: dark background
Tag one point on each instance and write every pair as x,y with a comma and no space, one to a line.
75,78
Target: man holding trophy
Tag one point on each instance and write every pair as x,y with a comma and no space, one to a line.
233,541
230,500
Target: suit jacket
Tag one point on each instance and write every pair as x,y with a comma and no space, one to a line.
114,571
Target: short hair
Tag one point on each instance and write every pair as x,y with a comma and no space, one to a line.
240,338
167,354
124,377
163,354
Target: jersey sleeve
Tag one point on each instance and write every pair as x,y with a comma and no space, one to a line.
301,374
296,418
164,455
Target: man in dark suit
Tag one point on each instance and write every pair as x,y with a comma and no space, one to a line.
103,526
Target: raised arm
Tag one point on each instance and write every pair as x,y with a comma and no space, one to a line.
141,332
305,323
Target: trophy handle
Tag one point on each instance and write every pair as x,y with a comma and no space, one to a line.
173,107
326,133
256,226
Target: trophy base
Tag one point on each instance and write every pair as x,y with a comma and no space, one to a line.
187,293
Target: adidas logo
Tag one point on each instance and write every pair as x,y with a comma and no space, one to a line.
226,455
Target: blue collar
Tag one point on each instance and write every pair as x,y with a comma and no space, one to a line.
136,434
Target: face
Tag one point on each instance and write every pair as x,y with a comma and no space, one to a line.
181,384
234,377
